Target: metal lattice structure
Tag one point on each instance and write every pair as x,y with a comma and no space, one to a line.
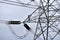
46,15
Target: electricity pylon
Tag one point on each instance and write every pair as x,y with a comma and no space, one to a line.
46,15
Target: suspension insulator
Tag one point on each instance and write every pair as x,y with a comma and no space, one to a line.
32,0
14,22
27,27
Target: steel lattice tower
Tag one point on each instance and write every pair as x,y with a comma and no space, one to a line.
46,15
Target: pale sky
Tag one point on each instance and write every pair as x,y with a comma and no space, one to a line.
11,12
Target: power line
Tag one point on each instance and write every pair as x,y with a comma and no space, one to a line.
19,4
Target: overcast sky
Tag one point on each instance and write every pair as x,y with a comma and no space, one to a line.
11,12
